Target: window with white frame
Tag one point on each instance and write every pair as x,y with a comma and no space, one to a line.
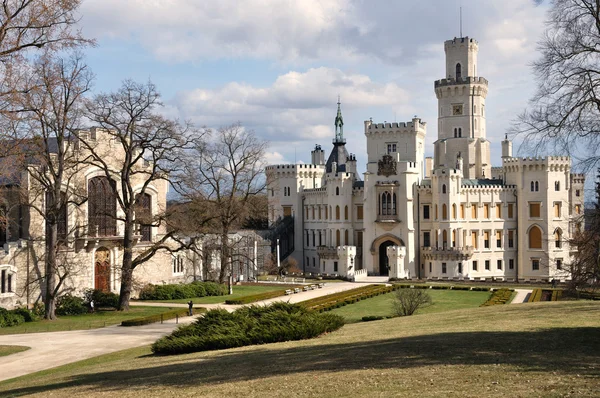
391,147
7,279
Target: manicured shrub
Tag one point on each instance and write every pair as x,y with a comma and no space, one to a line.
370,318
499,296
536,295
480,289
101,299
461,287
27,314
182,291
70,305
440,287
219,329
10,318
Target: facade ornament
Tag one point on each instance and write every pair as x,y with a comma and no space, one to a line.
387,166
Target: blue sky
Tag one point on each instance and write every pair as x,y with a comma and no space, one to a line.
277,66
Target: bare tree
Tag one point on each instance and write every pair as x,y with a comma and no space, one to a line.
408,301
564,114
224,174
51,110
147,148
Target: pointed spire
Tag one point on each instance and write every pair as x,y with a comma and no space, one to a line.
339,123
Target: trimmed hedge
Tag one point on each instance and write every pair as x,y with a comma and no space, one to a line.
440,287
461,287
556,295
535,296
256,297
480,289
352,296
370,318
146,320
500,296
182,291
220,329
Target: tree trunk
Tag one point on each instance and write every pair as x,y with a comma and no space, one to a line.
224,258
127,268
50,271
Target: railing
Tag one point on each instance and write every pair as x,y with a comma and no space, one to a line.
360,274
388,218
465,251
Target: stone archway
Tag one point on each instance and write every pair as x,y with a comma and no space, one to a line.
102,269
379,252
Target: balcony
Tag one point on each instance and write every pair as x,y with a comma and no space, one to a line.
387,218
447,253
327,252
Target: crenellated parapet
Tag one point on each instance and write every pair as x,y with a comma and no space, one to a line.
549,163
468,80
577,179
416,125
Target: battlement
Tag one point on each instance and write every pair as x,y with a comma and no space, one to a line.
458,41
550,163
577,178
463,80
292,167
401,127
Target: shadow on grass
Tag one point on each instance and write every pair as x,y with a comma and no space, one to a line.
565,350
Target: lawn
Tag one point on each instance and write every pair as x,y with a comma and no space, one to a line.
546,349
238,291
11,349
86,321
443,300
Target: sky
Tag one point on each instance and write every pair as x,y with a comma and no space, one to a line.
278,66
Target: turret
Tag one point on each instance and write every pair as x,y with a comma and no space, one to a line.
506,148
317,155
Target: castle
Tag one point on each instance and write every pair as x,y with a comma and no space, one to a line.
453,216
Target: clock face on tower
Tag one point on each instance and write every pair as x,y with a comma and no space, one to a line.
457,110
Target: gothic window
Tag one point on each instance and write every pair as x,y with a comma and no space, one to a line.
558,238
444,212
337,237
102,207
535,238
537,186
455,132
458,71
444,188
454,212
337,212
346,213
143,215
337,191
61,217
346,237
460,132
445,238
532,186
387,204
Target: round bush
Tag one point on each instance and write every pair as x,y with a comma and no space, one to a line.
70,305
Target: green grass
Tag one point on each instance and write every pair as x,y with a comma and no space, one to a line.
86,321
238,291
548,349
11,349
443,300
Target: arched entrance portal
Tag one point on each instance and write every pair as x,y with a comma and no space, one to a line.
102,270
384,266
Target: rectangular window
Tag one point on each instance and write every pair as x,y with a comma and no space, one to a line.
429,267
427,239
359,212
557,209
319,212
499,264
534,210
498,210
3,285
462,211
474,265
474,211
391,148
510,210
578,209
511,264
335,266
498,238
359,239
486,239
474,239
314,263
9,287
535,264
426,212
577,193
443,268
460,270
314,238
486,211
511,239
559,263
487,265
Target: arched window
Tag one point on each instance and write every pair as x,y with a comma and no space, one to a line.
143,215
532,186
346,237
337,212
330,213
337,191
455,132
558,238
326,213
445,238
444,212
453,238
535,238
458,72
557,186
454,217
346,213
460,132
387,204
337,237
444,188
537,186
102,207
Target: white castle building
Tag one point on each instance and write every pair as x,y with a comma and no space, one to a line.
453,216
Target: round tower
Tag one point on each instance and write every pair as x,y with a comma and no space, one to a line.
461,106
